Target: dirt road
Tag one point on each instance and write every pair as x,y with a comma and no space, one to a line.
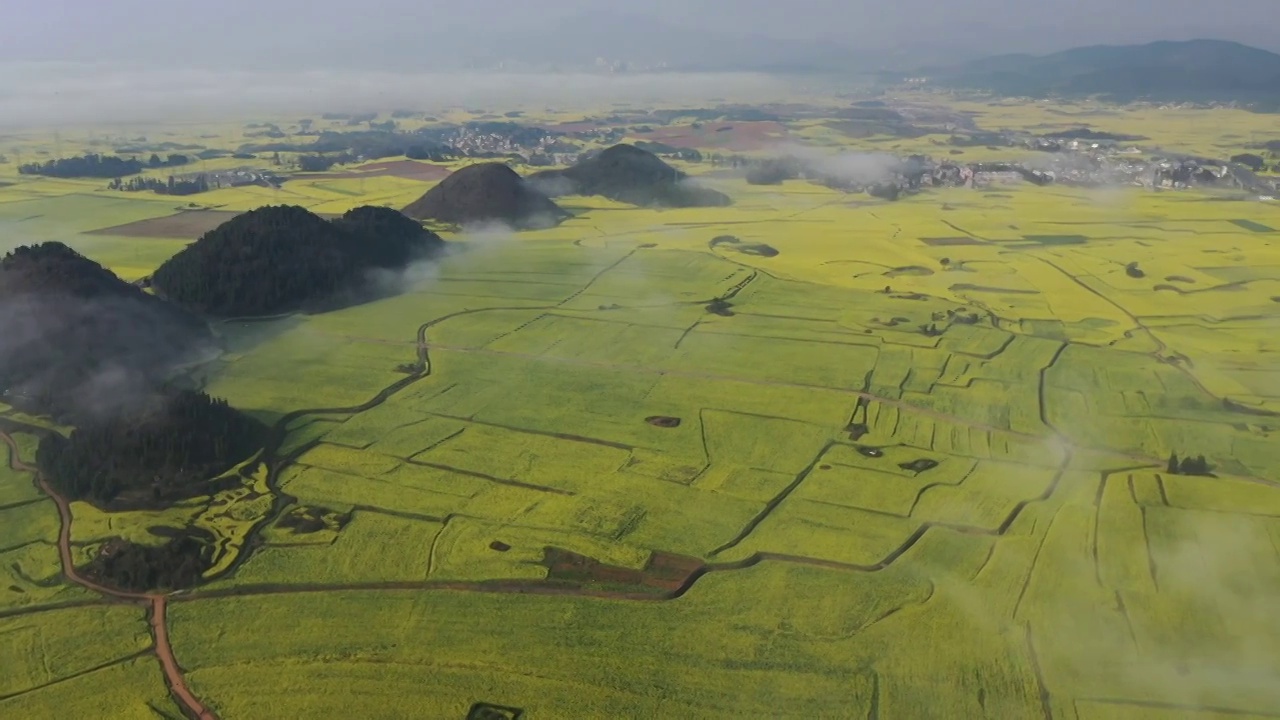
190,705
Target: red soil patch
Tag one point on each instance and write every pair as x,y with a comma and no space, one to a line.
664,571
186,224
738,137
408,169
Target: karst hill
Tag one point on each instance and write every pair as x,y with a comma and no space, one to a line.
79,341
628,174
171,447
483,193
284,258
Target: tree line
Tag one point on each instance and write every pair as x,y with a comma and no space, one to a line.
95,165
172,186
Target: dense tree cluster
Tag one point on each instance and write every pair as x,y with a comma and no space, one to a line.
664,150
389,239
99,166
79,340
434,153
91,166
285,258
179,563
171,161
170,447
172,186
773,171
1085,133
1188,465
629,174
321,163
367,144
486,192
1254,162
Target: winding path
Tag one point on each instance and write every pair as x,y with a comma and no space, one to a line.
158,603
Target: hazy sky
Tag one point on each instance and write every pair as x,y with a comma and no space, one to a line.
417,34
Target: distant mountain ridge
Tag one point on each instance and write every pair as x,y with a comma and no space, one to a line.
1165,71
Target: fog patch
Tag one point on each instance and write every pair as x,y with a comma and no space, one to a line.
73,93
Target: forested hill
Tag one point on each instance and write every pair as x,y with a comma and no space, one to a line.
78,340
485,193
285,258
1188,71
170,448
629,174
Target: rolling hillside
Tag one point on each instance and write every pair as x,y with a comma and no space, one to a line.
1194,70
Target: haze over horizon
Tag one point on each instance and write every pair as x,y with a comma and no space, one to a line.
416,36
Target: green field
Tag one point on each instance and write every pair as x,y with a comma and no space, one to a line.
885,523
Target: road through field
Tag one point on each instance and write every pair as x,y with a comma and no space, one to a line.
191,706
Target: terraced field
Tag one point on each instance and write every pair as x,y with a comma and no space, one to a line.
910,465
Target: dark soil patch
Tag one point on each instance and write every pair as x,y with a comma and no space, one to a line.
871,452
1133,271
186,224
663,421
891,322
489,711
946,241
987,288
665,572
919,466
1057,239
910,270
1179,278
499,546
1253,226
824,467
733,243
739,137
856,430
1234,406
306,520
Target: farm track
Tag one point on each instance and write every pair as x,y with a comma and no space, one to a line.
156,602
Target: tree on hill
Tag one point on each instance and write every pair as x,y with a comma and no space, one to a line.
389,239
285,258
169,448
629,174
179,563
486,192
80,341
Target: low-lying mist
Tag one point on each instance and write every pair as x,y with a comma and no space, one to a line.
75,93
